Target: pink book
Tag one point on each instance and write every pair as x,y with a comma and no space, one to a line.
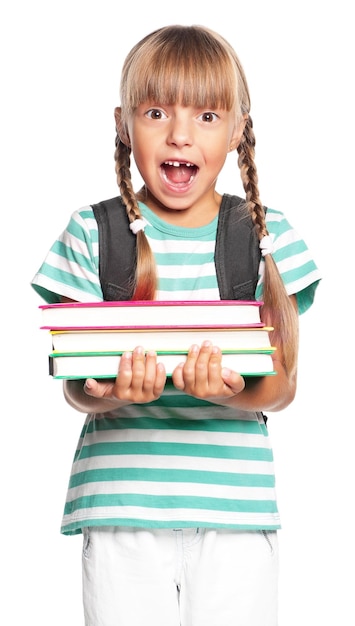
151,314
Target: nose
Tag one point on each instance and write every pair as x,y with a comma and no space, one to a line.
180,130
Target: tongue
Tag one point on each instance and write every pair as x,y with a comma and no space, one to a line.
181,174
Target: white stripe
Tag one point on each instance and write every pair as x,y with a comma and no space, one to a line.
89,223
195,413
184,413
183,246
298,260
188,271
195,294
287,265
304,281
77,245
171,515
284,265
193,437
285,239
59,262
65,290
89,226
173,489
272,215
207,464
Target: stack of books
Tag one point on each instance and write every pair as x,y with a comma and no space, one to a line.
88,339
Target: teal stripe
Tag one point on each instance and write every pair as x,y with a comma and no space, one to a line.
297,273
171,476
73,256
86,214
176,449
205,234
179,401
79,233
147,423
290,249
168,502
160,230
66,278
278,226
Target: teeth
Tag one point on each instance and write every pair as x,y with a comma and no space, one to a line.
177,164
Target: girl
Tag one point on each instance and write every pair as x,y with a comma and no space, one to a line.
172,484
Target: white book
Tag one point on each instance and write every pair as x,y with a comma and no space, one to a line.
158,339
105,365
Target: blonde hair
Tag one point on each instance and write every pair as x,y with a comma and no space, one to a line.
195,66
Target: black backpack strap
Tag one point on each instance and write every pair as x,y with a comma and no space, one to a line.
237,253
117,249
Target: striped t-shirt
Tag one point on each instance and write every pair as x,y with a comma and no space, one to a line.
179,461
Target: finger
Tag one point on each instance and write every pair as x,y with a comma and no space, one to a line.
125,374
215,362
204,362
151,370
233,380
98,389
160,380
138,367
138,359
190,364
178,377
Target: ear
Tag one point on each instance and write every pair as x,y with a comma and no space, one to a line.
121,127
237,133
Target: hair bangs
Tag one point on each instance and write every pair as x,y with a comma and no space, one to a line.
188,66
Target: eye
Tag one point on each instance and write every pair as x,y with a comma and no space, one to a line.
208,116
155,114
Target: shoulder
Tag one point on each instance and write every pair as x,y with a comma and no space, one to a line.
293,258
285,237
70,268
84,217
276,221
81,228
82,235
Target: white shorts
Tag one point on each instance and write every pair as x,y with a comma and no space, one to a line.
189,577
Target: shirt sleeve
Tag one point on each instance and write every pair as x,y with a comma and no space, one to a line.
295,263
70,268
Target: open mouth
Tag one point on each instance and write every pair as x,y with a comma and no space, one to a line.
179,172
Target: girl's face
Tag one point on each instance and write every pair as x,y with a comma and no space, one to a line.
179,152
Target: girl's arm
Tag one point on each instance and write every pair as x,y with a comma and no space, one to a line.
202,376
269,393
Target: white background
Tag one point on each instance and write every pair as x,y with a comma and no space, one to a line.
60,70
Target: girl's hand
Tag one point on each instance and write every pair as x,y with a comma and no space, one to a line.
202,375
139,380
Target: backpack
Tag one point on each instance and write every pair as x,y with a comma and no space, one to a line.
237,252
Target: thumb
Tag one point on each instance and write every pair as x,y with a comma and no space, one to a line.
235,381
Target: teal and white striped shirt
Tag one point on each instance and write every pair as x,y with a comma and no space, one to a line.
178,461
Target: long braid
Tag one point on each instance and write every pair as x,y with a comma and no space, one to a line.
277,310
249,176
145,282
